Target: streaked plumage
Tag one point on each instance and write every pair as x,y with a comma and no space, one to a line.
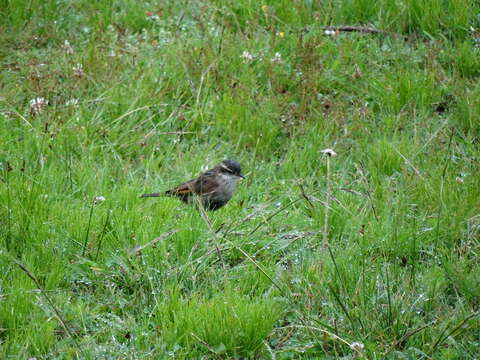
214,187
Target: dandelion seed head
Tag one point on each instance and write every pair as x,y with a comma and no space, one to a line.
328,152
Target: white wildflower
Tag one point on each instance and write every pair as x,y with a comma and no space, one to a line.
247,57
37,105
72,102
67,47
153,17
78,70
328,152
357,346
459,180
277,58
98,200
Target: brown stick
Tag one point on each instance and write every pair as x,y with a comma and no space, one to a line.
360,29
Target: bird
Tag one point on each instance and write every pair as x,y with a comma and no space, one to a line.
213,188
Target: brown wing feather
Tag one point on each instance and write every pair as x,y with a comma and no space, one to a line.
205,184
185,188
202,185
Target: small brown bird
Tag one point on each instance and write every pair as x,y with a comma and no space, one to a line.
214,187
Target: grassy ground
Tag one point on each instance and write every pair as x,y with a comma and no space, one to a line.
144,95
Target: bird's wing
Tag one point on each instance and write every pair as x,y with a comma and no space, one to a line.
205,184
202,185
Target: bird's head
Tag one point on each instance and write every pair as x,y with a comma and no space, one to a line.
231,167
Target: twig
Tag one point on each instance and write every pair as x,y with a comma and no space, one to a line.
360,29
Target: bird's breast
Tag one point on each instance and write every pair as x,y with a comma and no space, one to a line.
222,194
227,185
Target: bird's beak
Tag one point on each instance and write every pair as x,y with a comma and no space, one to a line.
240,175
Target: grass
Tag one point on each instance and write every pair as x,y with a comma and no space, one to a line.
146,94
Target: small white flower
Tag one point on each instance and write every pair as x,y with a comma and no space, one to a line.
37,105
459,180
72,102
247,57
277,59
78,70
154,18
98,199
67,47
328,152
357,346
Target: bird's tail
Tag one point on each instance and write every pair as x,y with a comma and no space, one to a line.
152,195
